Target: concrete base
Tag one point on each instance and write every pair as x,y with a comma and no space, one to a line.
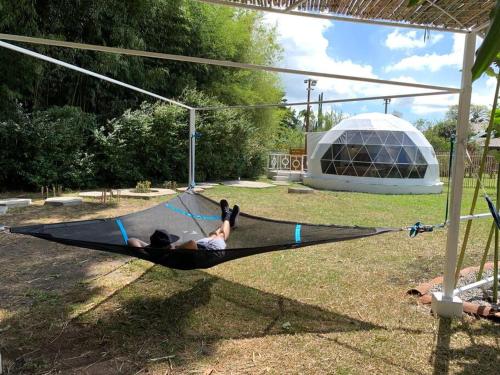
15,202
280,178
196,189
281,183
447,308
63,201
3,210
248,184
207,185
278,175
300,190
371,185
155,192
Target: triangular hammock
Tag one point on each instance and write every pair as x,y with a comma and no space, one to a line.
192,216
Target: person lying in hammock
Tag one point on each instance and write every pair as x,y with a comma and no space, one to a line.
216,240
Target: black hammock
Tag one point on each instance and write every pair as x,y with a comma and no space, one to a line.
192,216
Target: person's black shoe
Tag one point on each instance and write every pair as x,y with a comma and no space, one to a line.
233,219
225,211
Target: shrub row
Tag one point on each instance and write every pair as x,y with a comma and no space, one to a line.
65,146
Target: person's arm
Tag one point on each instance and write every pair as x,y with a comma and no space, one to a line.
135,242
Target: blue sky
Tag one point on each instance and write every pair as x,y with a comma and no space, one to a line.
377,52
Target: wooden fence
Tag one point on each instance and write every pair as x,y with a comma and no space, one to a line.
471,169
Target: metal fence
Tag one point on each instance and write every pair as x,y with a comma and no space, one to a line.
471,169
287,162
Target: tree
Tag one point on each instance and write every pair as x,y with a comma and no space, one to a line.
439,134
171,26
478,113
422,124
490,48
332,118
289,133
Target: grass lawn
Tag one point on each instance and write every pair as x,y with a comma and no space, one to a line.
332,309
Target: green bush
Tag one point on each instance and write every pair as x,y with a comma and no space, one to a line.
152,143
47,148
65,146
143,187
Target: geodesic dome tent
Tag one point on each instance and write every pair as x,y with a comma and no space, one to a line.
373,153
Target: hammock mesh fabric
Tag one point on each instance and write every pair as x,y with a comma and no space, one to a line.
191,216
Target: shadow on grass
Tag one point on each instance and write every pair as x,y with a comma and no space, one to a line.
476,358
174,316
44,214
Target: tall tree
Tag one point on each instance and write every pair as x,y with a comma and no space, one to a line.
171,26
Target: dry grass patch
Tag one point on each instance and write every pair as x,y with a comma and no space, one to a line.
334,309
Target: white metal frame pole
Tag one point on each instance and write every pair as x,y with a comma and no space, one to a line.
445,304
192,147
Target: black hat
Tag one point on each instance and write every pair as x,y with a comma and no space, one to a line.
160,238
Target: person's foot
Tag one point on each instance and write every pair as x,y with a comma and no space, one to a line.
225,211
233,219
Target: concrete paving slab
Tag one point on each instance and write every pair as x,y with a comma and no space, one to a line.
15,202
155,192
207,185
3,210
63,201
196,189
301,190
92,194
281,183
248,184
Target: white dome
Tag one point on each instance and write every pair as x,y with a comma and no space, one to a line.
373,152
378,122
375,121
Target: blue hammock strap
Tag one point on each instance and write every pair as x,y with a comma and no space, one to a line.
493,211
418,228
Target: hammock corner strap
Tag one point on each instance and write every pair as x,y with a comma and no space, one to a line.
192,216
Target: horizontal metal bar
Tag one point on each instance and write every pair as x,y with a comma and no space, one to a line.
200,60
88,72
474,285
335,18
274,105
462,218
481,27
476,216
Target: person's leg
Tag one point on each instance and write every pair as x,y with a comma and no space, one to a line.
190,245
225,229
135,242
233,219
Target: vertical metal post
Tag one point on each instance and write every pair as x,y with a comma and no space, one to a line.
310,84
444,304
192,147
308,111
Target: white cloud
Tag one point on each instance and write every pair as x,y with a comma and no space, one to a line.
424,105
306,48
410,40
491,83
433,61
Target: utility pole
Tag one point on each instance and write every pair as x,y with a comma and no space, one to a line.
310,84
386,103
319,121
